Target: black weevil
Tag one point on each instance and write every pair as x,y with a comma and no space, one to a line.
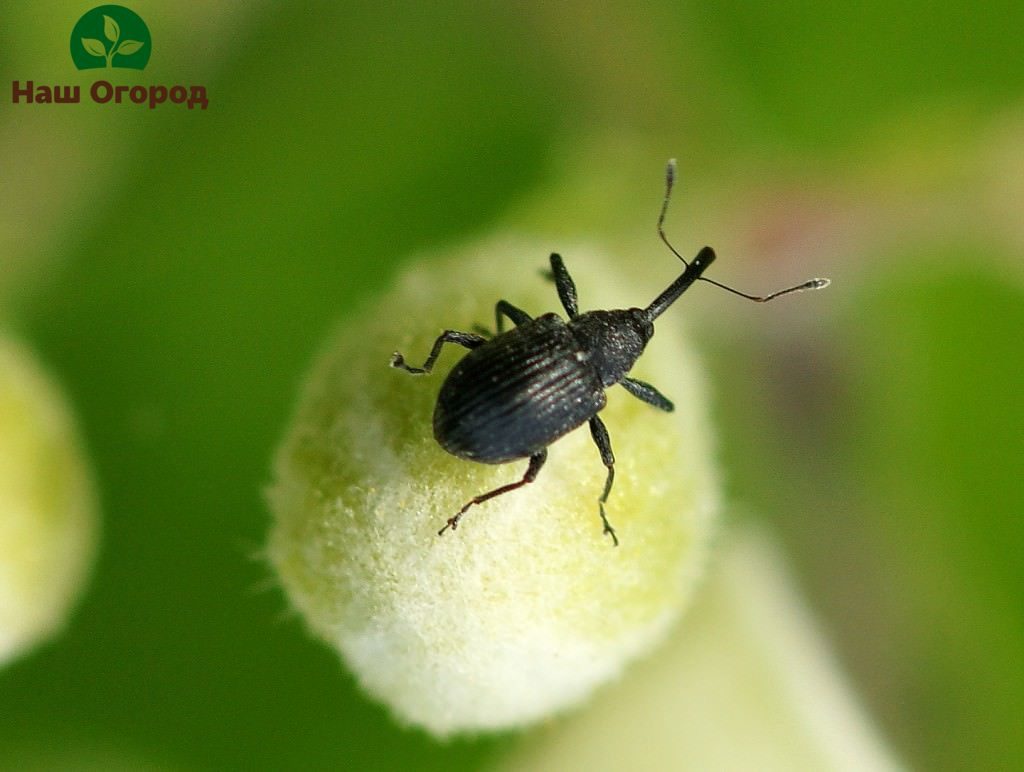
514,394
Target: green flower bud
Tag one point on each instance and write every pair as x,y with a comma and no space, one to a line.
47,508
527,607
746,682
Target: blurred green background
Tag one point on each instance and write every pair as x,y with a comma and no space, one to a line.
178,269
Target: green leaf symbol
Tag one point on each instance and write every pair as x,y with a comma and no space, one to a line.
129,47
94,47
110,29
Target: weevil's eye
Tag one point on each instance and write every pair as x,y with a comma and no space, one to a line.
642,322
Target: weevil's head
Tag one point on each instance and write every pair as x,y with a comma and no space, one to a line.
613,340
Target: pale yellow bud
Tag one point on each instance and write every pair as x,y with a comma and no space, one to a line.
745,683
527,607
47,508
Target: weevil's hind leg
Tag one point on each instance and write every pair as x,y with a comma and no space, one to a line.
536,462
604,444
467,339
647,393
565,285
503,309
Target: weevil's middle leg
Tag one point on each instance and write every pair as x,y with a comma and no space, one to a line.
466,339
604,444
536,462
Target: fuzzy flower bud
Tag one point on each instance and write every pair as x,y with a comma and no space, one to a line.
527,607
746,682
47,508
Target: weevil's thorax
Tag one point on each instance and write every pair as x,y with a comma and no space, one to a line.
612,341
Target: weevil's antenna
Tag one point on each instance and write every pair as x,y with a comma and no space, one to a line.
670,178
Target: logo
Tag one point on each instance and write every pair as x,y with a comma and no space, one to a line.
111,36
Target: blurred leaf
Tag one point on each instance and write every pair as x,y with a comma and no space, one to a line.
821,75
940,430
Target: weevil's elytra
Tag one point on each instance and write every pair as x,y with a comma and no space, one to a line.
502,403
514,394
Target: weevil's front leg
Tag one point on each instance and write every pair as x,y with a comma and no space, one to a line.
467,339
647,393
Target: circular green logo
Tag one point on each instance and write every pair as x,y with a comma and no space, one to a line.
111,36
